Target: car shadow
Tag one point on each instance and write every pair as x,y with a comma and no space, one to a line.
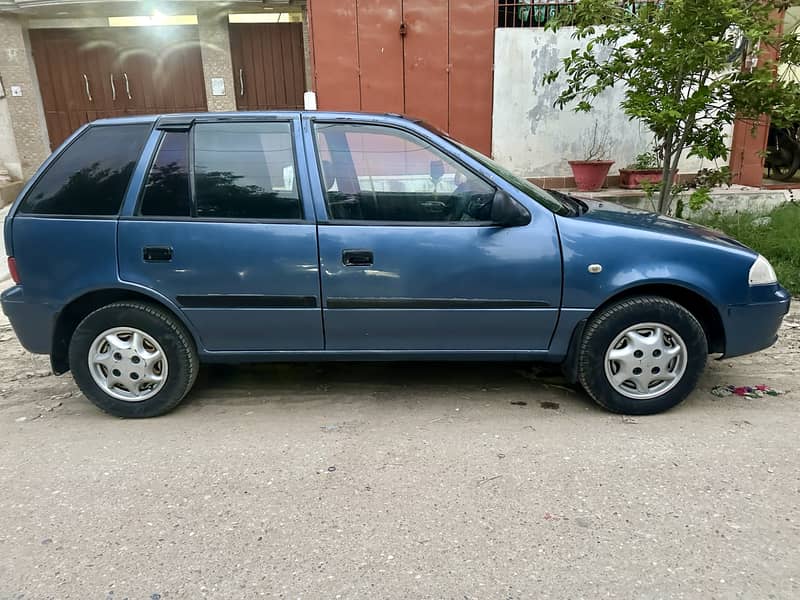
290,383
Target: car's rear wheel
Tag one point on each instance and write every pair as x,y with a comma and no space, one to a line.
133,359
642,355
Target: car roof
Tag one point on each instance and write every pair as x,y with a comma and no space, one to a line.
248,115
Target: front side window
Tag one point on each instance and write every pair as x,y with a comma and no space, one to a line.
166,193
245,171
90,177
377,173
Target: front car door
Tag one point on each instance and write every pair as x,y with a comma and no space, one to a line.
409,258
224,228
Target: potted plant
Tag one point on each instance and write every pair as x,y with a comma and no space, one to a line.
644,168
591,172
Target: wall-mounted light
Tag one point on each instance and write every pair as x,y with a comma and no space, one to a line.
156,19
282,17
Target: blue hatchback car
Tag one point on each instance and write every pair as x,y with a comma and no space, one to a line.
148,245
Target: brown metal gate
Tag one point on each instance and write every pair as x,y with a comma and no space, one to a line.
428,59
268,65
87,74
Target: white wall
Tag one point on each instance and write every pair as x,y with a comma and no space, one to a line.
9,157
533,138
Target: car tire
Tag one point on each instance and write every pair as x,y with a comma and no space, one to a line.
642,355
133,359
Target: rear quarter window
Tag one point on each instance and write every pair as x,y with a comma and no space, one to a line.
90,176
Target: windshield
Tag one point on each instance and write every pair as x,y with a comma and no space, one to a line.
547,199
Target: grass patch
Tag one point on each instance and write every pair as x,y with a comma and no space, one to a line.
778,240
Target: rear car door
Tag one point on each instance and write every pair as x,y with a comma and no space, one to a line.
223,226
409,258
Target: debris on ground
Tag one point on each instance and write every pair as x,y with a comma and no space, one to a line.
550,405
487,479
745,391
519,403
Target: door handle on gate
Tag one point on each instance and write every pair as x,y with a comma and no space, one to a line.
157,254
357,258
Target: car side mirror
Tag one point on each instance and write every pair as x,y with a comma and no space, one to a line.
507,212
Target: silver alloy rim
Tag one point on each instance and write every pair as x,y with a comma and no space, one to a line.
128,364
645,361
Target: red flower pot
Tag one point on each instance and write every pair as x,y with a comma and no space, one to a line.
632,179
590,175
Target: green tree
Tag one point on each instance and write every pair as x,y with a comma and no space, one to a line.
679,65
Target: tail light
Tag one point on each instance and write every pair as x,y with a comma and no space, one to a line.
12,269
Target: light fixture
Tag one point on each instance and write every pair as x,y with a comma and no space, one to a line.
155,19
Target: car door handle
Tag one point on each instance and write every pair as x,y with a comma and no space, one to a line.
157,254
357,258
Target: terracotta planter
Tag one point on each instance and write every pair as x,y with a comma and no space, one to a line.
590,175
632,179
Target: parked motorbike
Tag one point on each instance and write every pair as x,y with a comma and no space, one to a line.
783,152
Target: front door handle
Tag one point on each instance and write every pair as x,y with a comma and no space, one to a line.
157,253
357,258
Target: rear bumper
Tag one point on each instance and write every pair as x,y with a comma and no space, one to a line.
32,321
753,327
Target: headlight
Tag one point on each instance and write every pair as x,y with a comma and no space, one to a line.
762,273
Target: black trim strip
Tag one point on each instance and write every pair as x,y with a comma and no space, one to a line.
246,301
414,303
366,223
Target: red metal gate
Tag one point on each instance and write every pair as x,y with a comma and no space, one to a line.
430,59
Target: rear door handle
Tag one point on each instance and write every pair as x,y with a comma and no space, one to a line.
157,253
357,258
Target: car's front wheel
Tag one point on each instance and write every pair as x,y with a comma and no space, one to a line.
642,355
133,359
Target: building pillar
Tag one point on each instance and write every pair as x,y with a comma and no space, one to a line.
215,48
749,142
20,115
307,54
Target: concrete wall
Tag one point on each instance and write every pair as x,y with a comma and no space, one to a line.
533,138
791,22
9,157
22,115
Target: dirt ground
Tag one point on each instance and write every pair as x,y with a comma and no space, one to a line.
465,481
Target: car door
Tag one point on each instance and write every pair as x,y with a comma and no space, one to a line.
223,228
409,258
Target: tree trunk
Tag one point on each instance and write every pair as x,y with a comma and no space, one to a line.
666,175
672,156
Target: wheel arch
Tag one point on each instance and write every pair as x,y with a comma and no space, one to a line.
696,303
74,311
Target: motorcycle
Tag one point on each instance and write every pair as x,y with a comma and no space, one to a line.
783,152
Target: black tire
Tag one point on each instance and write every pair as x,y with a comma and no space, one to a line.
156,322
601,332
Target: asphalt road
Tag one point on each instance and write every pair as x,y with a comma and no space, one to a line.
473,481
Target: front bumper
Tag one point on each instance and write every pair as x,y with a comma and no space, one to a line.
33,322
753,327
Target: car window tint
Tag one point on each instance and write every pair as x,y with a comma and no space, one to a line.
245,171
90,177
166,192
377,173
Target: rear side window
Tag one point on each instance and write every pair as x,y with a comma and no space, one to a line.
166,193
245,171
90,177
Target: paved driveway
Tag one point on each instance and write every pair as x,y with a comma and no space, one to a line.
399,481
